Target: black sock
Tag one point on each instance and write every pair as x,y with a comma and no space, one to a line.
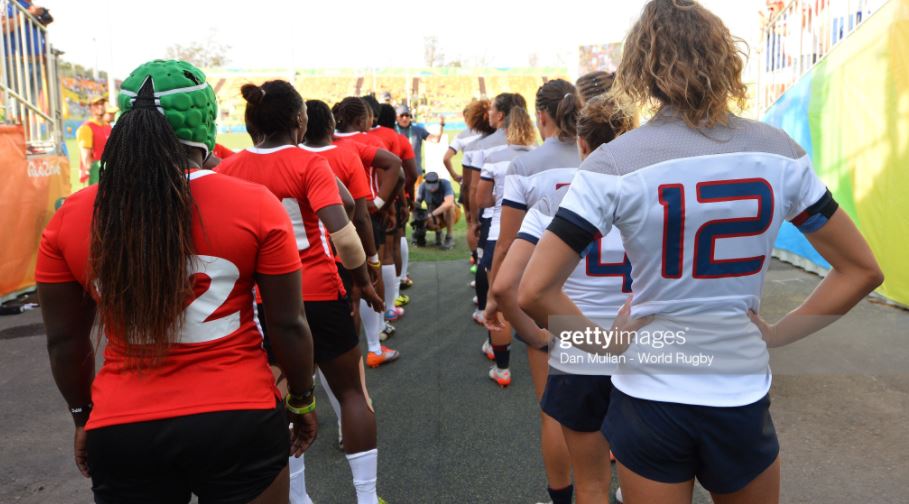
482,287
561,496
503,354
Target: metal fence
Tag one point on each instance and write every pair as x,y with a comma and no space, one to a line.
798,36
29,83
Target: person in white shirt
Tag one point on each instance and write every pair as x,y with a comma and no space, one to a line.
698,195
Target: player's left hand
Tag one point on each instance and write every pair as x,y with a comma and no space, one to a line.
624,323
767,330
492,316
80,451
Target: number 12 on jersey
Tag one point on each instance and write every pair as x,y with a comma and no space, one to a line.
705,263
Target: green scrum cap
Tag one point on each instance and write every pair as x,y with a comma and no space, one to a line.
181,94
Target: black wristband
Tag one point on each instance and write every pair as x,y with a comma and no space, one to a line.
80,414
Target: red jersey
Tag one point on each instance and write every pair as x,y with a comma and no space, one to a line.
346,164
305,184
406,149
220,342
222,152
389,137
367,146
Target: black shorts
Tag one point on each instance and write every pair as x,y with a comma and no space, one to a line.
724,448
332,326
346,278
579,402
224,457
401,214
378,229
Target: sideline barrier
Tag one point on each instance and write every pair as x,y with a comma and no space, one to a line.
851,114
30,190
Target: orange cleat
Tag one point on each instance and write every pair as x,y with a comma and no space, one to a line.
501,376
375,360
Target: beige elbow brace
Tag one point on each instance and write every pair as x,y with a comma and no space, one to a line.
349,248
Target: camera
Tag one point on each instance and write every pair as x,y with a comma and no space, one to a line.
44,16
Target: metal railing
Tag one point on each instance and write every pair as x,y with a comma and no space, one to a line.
797,37
29,81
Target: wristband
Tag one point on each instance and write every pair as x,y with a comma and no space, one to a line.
80,413
304,410
373,259
378,202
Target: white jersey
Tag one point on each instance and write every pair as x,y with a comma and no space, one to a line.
599,285
475,155
494,170
699,212
539,173
463,139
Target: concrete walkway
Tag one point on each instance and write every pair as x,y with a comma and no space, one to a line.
448,435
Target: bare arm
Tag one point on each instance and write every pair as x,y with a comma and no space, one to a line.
447,203
69,313
390,173
509,225
507,280
540,295
484,195
287,328
87,158
446,160
364,226
334,218
346,199
854,274
291,341
411,173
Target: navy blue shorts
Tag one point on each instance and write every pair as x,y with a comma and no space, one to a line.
724,448
488,250
578,402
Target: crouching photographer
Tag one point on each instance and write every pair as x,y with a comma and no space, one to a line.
440,214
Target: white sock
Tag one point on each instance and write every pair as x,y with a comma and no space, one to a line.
364,466
297,469
372,326
335,405
389,277
405,256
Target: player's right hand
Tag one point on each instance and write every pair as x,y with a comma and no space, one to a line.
368,294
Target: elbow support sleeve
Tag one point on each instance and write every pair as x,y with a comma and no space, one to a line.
349,248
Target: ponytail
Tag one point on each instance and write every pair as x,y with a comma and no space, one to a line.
519,129
141,235
558,98
602,121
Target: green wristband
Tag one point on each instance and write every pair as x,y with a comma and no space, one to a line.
305,410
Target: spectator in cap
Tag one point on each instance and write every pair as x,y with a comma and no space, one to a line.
439,197
92,136
414,132
110,114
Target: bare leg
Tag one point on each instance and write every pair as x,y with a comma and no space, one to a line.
590,461
765,489
637,489
555,453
